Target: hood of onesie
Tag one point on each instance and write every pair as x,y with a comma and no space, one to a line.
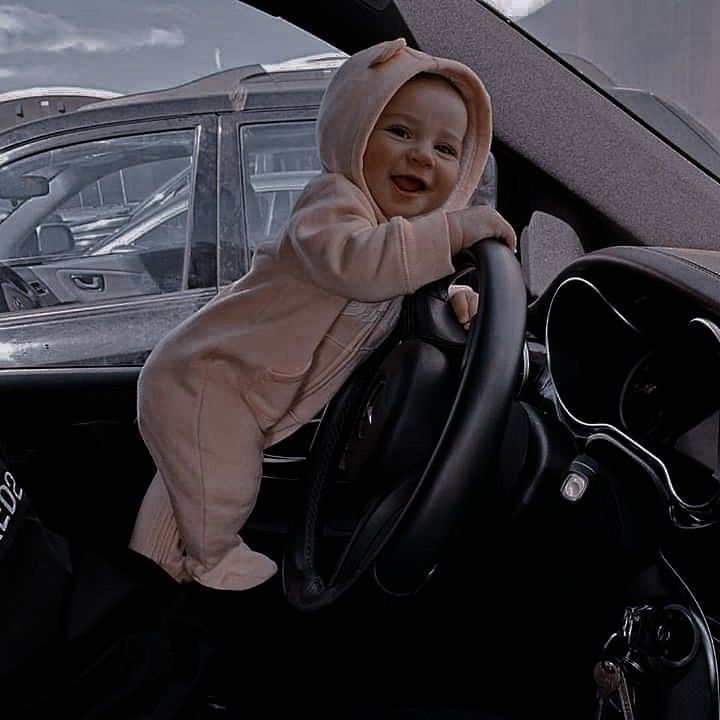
361,88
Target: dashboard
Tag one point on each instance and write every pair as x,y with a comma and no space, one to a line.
640,362
624,401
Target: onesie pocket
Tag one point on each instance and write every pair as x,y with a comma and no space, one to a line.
273,393
282,376
367,312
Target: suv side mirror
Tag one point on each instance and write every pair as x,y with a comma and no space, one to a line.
54,238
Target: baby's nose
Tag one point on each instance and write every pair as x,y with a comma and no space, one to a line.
421,154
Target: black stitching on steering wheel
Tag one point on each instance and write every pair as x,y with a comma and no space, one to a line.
337,421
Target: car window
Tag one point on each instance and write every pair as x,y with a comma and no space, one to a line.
111,201
278,160
103,249
111,223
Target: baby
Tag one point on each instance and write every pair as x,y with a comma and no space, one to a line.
403,139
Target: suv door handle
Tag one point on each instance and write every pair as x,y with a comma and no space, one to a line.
91,283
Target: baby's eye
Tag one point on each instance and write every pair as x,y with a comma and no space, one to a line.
446,149
399,131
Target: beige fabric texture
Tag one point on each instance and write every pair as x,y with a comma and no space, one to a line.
269,351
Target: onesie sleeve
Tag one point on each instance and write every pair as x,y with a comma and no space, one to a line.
334,234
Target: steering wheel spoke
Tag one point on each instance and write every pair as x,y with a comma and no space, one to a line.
373,529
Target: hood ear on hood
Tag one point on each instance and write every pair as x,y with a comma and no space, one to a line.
361,88
387,50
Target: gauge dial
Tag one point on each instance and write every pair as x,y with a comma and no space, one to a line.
643,400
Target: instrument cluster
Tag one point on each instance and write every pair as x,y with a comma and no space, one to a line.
625,367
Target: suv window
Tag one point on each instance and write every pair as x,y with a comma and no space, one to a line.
105,245
278,160
105,202
112,223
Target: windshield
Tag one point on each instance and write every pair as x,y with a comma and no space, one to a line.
657,58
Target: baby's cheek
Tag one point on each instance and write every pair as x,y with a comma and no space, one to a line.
447,185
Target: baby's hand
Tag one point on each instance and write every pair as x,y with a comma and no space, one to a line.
481,221
464,301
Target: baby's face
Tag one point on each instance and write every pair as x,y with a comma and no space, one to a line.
412,160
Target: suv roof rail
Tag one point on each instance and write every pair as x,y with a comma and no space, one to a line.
321,61
291,83
224,83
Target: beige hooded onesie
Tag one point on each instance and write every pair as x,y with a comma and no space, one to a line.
270,351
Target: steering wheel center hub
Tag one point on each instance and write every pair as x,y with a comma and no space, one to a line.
401,419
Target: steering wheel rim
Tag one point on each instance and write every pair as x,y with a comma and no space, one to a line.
413,540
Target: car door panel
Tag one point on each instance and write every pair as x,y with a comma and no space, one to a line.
93,279
87,467
83,463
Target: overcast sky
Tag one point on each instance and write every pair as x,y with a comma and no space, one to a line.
132,45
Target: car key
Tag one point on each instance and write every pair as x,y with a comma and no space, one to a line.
607,679
610,679
624,695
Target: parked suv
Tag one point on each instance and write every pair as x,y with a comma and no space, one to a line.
120,219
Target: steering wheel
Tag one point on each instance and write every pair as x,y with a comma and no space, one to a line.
15,293
415,433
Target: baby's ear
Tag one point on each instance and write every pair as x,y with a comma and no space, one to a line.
387,50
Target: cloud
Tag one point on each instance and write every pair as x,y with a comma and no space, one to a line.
7,73
25,29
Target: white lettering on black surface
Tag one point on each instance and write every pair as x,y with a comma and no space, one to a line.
10,493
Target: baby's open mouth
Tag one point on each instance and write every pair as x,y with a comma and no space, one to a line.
407,183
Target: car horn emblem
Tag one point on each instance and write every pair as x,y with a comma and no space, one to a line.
366,420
